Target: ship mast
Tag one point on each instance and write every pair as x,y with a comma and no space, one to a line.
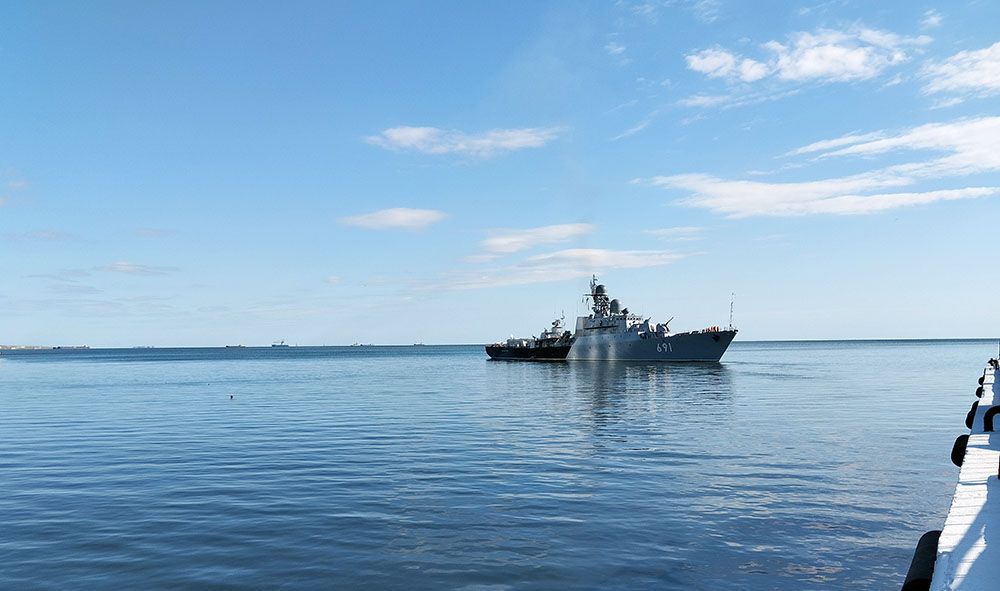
599,295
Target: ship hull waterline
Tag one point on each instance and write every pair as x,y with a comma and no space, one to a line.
683,347
505,353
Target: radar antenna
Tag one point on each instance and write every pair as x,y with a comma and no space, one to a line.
599,295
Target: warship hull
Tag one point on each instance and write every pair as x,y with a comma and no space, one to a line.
611,332
503,352
692,346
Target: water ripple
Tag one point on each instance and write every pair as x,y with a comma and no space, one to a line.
790,466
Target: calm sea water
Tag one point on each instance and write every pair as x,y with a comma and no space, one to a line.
788,466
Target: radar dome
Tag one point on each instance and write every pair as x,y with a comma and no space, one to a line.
600,290
616,307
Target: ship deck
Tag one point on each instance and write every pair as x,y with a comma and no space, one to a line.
966,558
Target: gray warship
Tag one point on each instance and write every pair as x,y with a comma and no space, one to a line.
612,332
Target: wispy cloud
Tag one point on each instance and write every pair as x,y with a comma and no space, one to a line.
154,233
739,98
560,266
678,233
12,183
511,241
75,289
968,145
135,269
395,218
705,100
333,280
825,55
706,11
966,74
719,63
932,19
68,275
41,236
646,122
743,198
824,145
432,140
840,56
614,48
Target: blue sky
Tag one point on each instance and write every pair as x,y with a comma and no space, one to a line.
203,173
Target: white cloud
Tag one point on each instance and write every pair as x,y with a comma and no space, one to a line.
825,145
849,195
614,48
932,19
895,80
971,144
155,233
967,73
333,280
719,63
625,105
707,11
948,102
596,259
73,289
396,217
646,11
751,70
509,241
42,236
968,144
646,122
714,63
678,233
135,269
432,140
825,55
561,265
737,99
705,100
830,55
13,185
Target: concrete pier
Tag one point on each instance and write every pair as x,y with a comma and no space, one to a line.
968,552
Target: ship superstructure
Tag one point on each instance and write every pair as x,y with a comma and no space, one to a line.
612,332
552,344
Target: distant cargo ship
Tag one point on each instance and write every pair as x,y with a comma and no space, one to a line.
279,344
611,332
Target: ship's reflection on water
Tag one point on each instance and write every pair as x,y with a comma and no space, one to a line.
655,395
